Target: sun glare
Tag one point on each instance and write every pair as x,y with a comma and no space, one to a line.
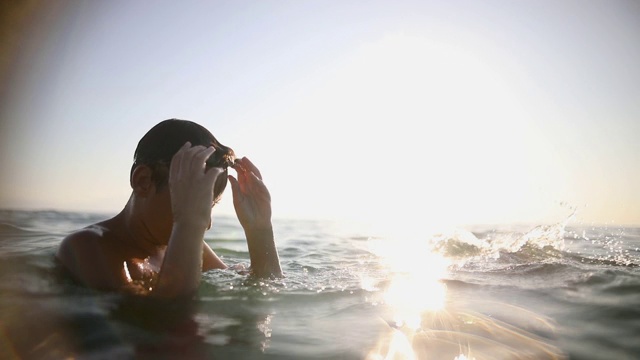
427,322
418,127
414,291
415,285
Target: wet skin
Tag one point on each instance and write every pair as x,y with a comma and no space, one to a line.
155,244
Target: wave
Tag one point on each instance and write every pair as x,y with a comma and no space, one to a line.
541,244
12,229
461,243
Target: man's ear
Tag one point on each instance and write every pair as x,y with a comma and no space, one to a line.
141,182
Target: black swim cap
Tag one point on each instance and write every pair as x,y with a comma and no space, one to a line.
163,140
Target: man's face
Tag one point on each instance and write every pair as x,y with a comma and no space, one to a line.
159,217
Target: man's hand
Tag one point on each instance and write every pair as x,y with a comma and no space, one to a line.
251,198
252,202
190,186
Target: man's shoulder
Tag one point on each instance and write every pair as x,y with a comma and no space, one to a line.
89,235
90,257
82,242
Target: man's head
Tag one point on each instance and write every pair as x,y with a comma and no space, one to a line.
161,142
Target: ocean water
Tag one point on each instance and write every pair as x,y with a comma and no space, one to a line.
557,291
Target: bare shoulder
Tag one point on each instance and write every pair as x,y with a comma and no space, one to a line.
81,241
88,256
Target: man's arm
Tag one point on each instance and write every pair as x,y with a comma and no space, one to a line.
252,202
191,199
263,253
210,260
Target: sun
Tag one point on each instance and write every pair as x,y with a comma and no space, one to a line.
408,126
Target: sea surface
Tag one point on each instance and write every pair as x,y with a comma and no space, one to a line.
544,291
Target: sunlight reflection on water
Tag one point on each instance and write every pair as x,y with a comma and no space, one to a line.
415,284
426,322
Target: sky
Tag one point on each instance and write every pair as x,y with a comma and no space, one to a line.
456,112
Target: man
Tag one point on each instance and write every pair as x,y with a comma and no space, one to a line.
155,244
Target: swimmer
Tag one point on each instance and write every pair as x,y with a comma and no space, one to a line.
155,244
